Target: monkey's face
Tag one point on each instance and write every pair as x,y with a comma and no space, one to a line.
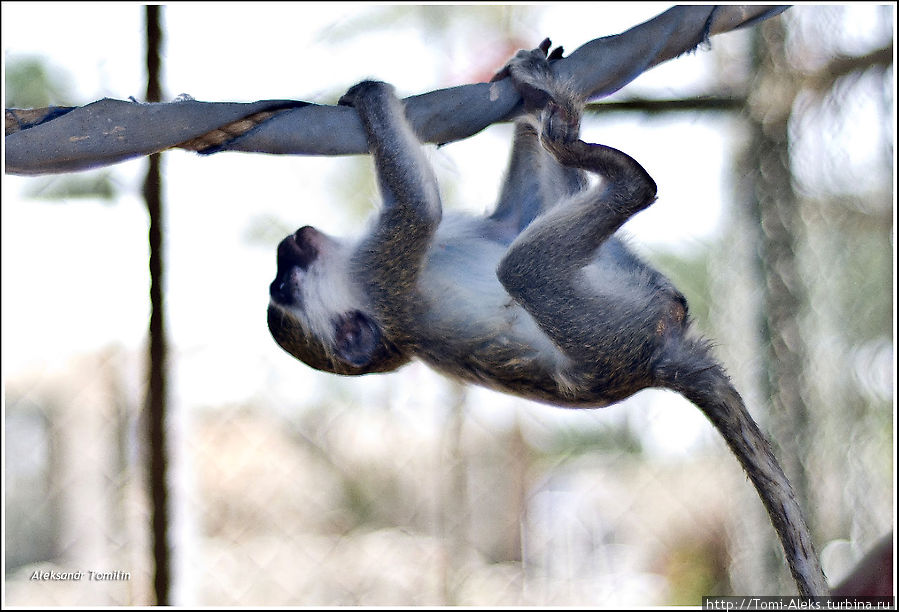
315,313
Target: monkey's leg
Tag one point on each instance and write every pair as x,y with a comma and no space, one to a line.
687,368
576,228
542,268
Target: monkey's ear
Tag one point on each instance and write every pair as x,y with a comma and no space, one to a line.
356,338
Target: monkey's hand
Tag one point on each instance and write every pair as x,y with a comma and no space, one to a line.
381,113
365,90
531,74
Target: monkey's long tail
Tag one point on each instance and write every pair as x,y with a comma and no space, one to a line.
690,370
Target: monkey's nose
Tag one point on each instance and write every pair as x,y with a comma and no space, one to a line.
306,233
298,249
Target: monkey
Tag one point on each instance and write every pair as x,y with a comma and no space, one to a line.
539,298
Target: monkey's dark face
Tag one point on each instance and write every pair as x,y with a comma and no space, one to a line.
315,313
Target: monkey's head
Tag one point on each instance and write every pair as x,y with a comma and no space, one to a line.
316,313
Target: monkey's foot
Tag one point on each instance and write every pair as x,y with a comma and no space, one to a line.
561,123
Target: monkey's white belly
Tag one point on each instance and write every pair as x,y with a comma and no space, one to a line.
474,311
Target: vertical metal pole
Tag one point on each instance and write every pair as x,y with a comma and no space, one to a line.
157,388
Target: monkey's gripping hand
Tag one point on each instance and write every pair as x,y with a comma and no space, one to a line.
379,110
365,90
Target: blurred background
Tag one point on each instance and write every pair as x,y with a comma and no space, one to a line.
774,153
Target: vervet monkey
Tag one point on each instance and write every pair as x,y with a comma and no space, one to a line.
539,298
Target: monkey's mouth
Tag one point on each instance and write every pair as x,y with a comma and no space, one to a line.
283,292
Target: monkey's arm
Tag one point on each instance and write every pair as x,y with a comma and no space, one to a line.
392,255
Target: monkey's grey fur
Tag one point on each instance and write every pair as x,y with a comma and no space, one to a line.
538,299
